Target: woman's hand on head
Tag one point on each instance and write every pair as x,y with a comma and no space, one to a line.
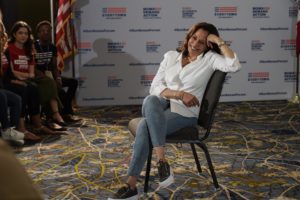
212,38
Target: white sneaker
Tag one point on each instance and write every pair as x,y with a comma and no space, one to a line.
13,135
165,173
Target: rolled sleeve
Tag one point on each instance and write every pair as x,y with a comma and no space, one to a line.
226,64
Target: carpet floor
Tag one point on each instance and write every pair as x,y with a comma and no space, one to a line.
255,148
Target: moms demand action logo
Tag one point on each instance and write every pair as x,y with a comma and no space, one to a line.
293,11
289,77
114,12
146,80
78,14
116,47
188,12
226,12
114,81
258,77
227,79
260,12
152,47
152,13
84,47
257,45
288,44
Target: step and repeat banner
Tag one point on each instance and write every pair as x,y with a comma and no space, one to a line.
122,42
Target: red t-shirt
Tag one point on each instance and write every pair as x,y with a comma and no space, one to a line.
18,58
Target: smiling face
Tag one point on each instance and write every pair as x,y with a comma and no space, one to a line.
197,43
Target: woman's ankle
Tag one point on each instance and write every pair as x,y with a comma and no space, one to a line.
131,181
57,117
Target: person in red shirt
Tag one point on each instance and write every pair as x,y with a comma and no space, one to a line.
19,77
10,103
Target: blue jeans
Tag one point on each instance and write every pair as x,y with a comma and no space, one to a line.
13,101
161,122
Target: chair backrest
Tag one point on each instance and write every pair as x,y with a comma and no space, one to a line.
211,98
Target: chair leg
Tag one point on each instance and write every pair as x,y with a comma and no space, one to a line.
210,165
196,158
148,168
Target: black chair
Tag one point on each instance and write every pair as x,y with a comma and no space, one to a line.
196,134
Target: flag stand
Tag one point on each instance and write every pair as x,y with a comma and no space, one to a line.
296,99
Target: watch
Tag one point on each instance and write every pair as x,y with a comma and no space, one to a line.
221,44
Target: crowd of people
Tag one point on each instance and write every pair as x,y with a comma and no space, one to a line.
34,92
35,99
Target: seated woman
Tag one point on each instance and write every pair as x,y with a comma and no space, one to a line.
12,101
46,64
175,96
19,77
9,101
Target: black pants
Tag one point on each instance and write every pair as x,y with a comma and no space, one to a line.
67,96
29,95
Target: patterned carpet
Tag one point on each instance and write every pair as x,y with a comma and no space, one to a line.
255,148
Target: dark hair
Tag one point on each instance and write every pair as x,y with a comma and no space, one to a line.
29,43
210,28
42,23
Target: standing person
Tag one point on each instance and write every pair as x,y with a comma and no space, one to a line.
19,77
175,97
9,101
46,60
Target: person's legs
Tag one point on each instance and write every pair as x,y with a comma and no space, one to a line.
158,122
55,113
14,102
154,121
22,92
29,100
67,96
161,122
3,110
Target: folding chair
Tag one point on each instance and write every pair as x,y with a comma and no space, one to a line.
194,135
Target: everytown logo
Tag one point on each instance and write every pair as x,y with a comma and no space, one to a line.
293,11
116,47
152,47
188,12
258,77
288,44
84,47
226,12
257,45
289,77
146,80
114,81
114,12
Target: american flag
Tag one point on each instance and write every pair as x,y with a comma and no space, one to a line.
65,33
